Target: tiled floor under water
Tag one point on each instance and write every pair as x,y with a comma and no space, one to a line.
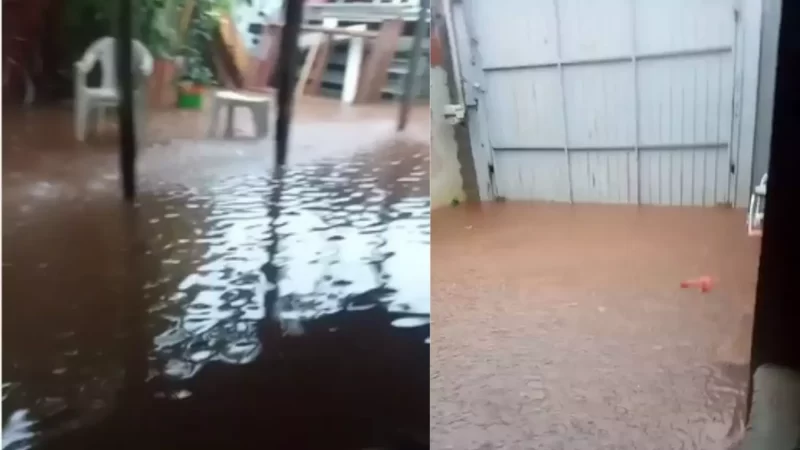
559,327
230,309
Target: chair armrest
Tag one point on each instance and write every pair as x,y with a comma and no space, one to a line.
145,58
146,67
79,81
84,66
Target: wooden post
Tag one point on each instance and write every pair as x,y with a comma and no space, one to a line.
411,76
305,70
233,42
313,84
353,69
381,54
263,70
186,18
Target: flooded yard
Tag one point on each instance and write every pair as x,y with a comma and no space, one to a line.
232,308
564,327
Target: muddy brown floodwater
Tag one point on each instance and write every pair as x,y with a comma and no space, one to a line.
231,308
558,327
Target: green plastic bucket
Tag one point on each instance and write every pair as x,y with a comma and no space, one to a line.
190,100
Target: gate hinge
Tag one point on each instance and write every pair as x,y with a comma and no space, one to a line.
736,14
454,114
733,169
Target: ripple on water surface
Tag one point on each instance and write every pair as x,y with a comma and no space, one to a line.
312,253
339,239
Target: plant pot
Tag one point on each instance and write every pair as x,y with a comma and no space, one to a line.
191,96
161,88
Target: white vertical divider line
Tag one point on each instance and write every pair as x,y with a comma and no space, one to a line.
635,63
735,105
563,99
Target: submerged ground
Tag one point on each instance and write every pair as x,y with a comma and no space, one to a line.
229,309
564,327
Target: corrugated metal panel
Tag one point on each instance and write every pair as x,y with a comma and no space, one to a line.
600,105
684,176
664,26
585,36
607,176
539,175
682,103
525,108
619,101
685,101
515,32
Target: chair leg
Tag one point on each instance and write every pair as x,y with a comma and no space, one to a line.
230,119
140,126
81,117
213,124
260,117
100,119
751,217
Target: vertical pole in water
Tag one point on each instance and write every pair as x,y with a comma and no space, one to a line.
127,134
136,345
777,309
287,72
416,55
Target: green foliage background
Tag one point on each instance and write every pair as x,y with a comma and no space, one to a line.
156,24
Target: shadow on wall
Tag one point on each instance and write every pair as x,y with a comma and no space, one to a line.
446,182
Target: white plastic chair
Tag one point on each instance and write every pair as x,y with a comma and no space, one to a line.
99,99
224,100
755,215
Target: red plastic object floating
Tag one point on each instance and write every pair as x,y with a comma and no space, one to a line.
704,283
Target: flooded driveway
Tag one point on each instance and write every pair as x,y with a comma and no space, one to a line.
232,308
559,327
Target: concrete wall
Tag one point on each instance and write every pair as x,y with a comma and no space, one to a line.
771,19
446,182
249,16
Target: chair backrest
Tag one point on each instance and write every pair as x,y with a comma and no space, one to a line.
103,52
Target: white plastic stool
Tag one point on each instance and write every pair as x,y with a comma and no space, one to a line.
258,104
755,215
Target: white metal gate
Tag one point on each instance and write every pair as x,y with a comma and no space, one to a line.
606,101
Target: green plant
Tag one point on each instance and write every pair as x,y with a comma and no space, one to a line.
85,21
197,72
196,49
154,23
157,23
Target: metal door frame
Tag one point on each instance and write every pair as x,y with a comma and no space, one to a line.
473,85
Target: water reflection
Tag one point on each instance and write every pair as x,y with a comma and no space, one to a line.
342,243
262,282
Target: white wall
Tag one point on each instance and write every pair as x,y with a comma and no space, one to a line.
260,12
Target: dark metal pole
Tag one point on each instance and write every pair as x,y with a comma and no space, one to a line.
777,309
287,67
127,135
133,393
416,55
